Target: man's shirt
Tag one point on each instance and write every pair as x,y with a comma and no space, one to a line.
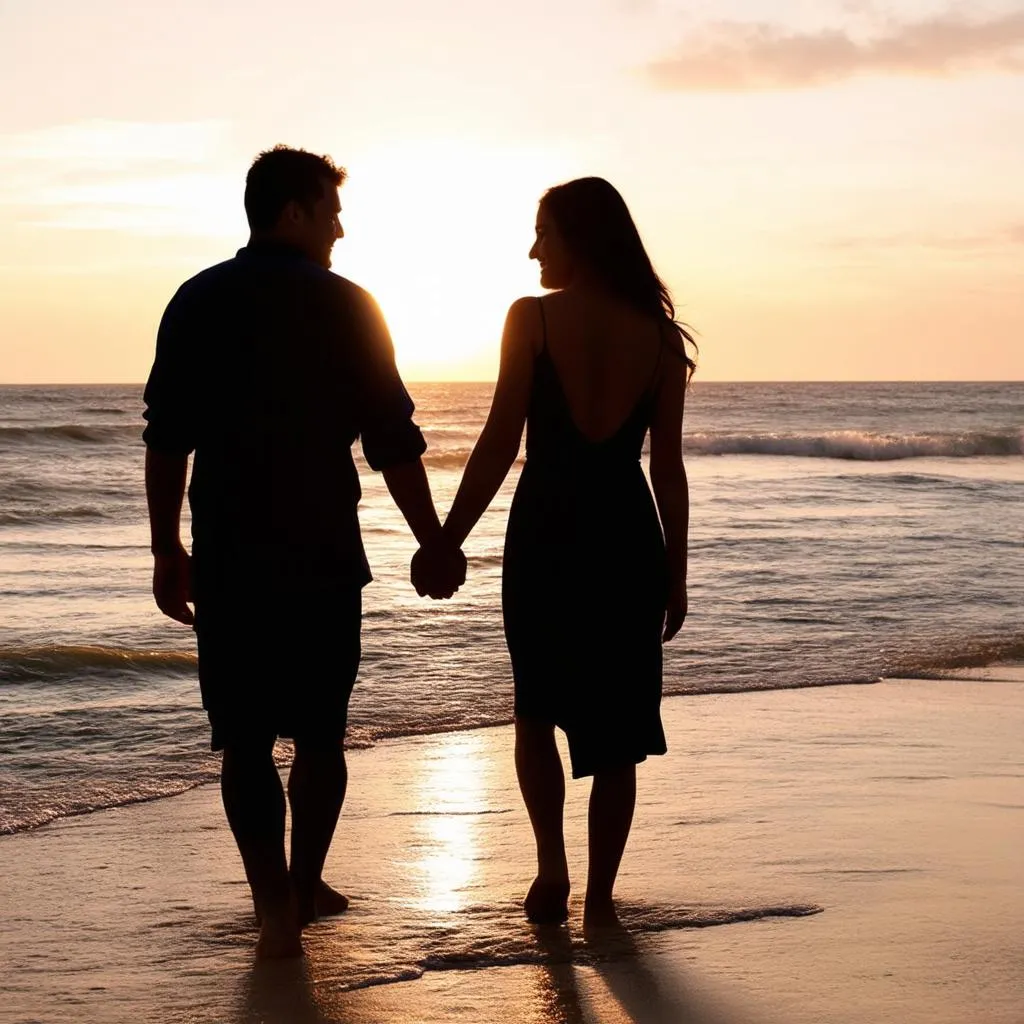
268,367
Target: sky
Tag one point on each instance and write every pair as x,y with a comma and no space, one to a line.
833,190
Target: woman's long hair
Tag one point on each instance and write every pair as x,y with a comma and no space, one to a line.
598,230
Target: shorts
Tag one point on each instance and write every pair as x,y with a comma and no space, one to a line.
284,668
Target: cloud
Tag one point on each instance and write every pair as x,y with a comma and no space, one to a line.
735,57
136,177
997,239
110,144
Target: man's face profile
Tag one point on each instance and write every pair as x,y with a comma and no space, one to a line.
317,227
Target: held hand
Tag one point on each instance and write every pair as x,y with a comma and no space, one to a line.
172,585
426,575
438,571
675,611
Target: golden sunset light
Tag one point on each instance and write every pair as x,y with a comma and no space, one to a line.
830,192
398,628
440,232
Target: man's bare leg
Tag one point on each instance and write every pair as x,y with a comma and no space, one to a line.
542,783
316,792
612,800
254,804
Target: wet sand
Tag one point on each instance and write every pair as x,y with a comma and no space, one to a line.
848,854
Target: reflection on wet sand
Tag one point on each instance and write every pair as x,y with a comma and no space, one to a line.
280,992
451,791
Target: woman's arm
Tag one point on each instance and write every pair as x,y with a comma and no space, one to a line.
498,445
671,492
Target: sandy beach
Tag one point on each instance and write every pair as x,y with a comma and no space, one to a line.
844,854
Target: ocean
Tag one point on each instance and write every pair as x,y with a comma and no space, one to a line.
840,533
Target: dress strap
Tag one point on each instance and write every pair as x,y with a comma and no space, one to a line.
543,324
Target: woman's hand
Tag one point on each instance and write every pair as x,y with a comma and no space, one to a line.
675,612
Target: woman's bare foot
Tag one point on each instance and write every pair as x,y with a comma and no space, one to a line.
600,913
547,902
329,901
324,902
280,937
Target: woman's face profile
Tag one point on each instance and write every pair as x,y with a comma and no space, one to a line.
550,252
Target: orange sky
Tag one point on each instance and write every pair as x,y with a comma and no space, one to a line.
832,191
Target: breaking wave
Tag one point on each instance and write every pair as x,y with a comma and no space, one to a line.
53,515
860,445
70,433
55,662
835,444
857,445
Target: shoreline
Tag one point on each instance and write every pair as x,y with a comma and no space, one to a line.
966,668
896,809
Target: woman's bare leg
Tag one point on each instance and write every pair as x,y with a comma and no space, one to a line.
612,799
542,783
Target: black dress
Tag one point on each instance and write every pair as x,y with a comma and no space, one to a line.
585,583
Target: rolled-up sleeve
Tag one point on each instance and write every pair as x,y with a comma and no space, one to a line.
170,406
388,433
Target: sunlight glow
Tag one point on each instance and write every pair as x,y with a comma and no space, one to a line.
440,232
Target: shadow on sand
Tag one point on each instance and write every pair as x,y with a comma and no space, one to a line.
639,987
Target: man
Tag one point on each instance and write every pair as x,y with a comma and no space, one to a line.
267,368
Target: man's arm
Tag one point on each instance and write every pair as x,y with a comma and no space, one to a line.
410,489
165,492
170,438
438,569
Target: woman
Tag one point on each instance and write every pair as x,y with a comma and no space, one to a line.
591,585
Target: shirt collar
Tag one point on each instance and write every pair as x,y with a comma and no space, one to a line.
271,248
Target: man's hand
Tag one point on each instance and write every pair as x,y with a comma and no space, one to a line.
438,571
675,612
172,584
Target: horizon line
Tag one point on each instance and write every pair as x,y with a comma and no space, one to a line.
697,380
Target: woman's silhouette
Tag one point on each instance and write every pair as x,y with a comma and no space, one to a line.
592,584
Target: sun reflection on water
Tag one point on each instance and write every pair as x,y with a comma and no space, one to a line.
450,793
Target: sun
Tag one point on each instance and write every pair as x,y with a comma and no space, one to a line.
439,232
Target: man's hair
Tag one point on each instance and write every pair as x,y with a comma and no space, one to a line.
283,174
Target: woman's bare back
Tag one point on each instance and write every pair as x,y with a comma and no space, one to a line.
606,356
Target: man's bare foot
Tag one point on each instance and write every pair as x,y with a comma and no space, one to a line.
280,937
547,902
600,913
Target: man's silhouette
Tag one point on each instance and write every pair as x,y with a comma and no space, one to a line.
267,368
